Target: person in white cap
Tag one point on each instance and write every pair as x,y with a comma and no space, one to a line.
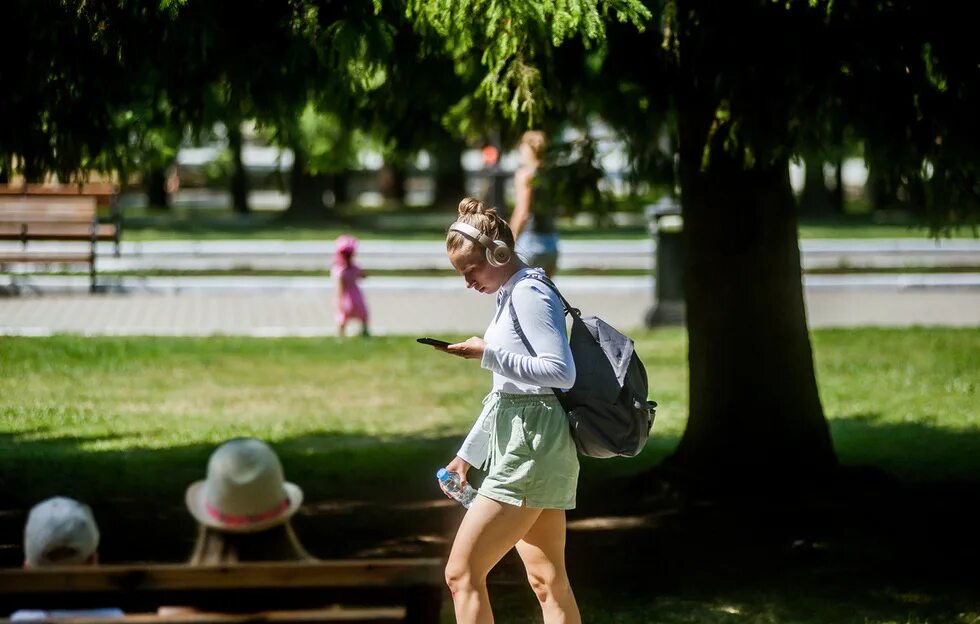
244,507
61,531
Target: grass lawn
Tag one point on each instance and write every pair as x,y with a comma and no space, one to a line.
416,225
596,272
127,423
890,396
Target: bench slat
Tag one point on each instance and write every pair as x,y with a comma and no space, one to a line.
102,192
107,578
30,208
53,215
11,257
348,615
369,587
88,188
48,231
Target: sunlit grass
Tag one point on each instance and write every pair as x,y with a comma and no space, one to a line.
905,400
901,399
215,223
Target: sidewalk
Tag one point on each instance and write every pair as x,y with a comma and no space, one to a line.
417,306
414,254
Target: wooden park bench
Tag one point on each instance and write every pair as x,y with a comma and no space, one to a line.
66,213
369,590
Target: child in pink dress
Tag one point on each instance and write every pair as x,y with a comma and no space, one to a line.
345,274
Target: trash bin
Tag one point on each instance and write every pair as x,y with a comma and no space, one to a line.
666,225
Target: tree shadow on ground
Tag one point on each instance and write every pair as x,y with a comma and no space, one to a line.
360,492
863,547
868,542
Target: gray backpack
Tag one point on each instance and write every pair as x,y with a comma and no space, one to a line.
607,408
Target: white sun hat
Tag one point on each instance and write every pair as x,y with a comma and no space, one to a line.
60,531
244,491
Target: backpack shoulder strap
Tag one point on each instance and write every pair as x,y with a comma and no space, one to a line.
517,323
575,312
546,281
517,326
523,337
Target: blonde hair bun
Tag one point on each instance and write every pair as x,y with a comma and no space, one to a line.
475,213
473,206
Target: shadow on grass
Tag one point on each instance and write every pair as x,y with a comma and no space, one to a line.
350,484
867,548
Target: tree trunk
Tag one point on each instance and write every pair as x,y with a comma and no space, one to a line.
155,183
340,185
306,190
915,200
391,181
837,195
815,200
881,190
450,179
31,170
755,413
239,177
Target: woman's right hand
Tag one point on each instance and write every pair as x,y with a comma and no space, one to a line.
459,466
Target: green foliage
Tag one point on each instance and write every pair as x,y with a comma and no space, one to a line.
360,50
331,145
776,78
569,177
106,83
514,39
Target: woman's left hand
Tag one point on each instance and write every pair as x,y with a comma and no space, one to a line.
472,349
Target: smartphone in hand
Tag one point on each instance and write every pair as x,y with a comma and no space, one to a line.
433,342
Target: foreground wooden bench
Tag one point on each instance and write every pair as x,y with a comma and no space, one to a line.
371,590
29,218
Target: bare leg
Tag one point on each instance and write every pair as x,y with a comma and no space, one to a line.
489,529
543,552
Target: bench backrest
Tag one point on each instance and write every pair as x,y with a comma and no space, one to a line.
104,193
28,209
415,583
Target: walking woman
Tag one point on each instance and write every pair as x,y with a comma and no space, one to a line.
521,437
533,221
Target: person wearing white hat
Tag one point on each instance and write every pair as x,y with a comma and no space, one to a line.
244,506
61,531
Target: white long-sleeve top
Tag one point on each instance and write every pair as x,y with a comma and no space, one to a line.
515,370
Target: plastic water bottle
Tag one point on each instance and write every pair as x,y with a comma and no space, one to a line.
450,484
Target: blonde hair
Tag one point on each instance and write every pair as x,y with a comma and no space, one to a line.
278,543
535,140
473,212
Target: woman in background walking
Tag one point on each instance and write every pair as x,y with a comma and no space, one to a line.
533,221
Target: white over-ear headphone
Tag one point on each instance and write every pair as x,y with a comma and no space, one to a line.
498,253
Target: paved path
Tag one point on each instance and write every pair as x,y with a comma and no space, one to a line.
302,306
576,254
274,306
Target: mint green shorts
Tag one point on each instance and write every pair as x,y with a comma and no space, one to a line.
532,461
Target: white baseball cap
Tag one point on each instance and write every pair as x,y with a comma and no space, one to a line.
60,531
